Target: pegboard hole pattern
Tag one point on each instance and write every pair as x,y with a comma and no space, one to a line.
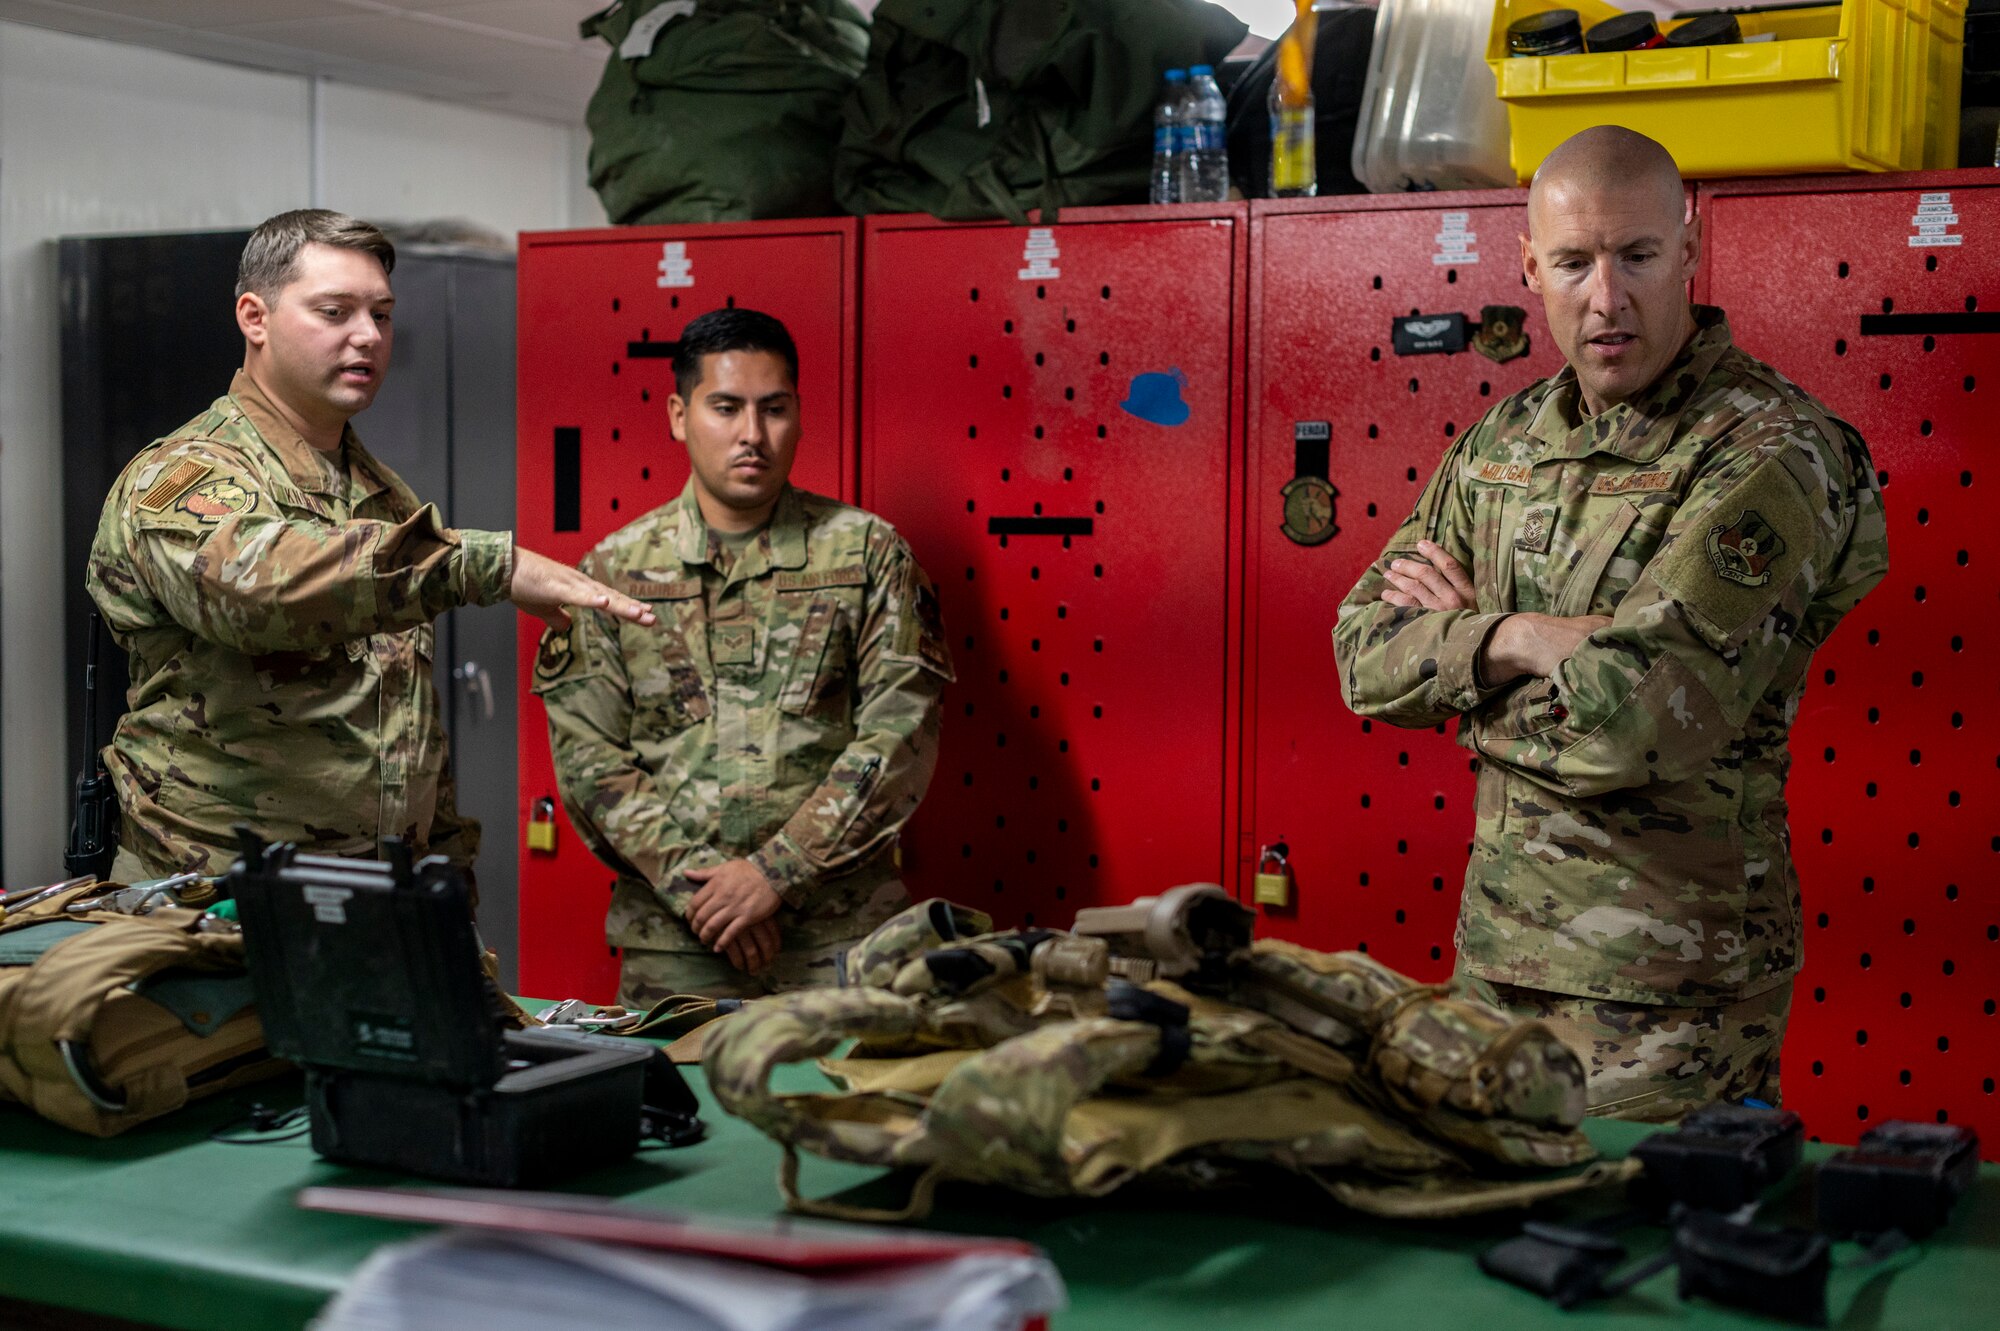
1048,478
1897,742
1376,818
595,452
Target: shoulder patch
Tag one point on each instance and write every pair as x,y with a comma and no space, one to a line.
805,580
1744,550
558,656
174,484
920,623
212,501
1735,561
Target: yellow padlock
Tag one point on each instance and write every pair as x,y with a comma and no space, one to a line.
542,825
1273,887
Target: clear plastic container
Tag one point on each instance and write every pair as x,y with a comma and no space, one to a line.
1430,118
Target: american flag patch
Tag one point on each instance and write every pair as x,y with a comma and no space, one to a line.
174,484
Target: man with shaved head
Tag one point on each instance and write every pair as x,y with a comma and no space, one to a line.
1615,582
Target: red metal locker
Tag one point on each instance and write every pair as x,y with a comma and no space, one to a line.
1050,416
597,312
1881,294
1377,819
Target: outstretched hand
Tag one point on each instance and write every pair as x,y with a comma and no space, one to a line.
547,589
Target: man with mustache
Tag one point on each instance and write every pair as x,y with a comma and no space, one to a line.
1615,583
747,764
274,587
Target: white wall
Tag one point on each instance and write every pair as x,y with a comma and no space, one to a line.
97,138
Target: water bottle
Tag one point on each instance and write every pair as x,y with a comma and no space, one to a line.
1205,173
1169,119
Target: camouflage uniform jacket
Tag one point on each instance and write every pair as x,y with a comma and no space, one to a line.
276,604
1631,840
784,710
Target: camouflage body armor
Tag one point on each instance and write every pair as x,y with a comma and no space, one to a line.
1155,1034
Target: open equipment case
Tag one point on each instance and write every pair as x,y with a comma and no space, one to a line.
368,975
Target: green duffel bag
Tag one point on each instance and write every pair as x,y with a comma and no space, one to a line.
721,110
986,108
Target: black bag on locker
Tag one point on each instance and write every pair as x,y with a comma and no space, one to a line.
720,110
987,108
1345,36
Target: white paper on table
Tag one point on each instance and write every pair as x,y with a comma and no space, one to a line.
487,1281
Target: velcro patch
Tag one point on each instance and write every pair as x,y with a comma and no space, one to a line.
557,655
733,644
1637,482
1499,473
680,589
920,624
1733,562
174,484
1536,529
1743,551
212,501
850,575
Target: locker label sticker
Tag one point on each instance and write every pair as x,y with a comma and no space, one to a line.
1040,255
1934,220
1455,240
676,269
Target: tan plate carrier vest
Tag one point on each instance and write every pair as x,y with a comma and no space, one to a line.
1022,1059
81,1041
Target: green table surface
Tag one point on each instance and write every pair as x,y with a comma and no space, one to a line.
163,1225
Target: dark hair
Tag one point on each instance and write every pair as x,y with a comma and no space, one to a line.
729,330
271,258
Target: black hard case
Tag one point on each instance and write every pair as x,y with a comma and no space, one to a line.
368,975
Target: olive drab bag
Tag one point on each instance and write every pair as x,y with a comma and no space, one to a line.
720,110
986,108
1160,1037
108,1019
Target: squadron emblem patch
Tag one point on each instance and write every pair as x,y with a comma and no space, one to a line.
1743,551
217,500
1309,510
1503,333
556,654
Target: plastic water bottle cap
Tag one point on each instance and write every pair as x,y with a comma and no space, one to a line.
1177,76
1203,71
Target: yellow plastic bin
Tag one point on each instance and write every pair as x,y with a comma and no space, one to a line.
1869,85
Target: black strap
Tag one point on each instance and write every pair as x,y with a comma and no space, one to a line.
1125,1001
1570,1264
